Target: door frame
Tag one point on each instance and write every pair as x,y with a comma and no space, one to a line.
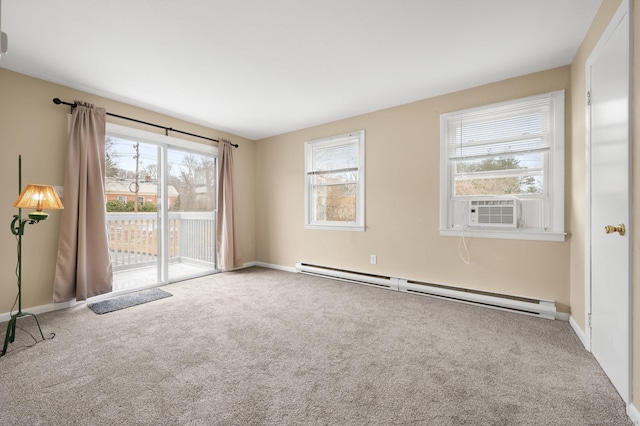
624,8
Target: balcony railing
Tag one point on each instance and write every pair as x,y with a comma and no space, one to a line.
134,239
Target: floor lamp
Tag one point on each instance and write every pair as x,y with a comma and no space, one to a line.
37,197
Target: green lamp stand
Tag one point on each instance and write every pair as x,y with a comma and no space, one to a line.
36,197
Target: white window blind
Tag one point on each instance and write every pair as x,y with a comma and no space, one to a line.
516,128
335,158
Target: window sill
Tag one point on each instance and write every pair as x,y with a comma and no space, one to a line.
510,234
355,228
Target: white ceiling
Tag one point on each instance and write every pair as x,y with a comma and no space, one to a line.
258,68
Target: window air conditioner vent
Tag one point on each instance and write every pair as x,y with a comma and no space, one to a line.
493,212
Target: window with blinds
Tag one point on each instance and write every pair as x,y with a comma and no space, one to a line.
334,195
512,149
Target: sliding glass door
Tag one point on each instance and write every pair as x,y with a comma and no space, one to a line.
160,208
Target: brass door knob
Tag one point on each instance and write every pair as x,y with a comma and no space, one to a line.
610,229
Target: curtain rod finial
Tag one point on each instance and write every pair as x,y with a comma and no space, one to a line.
57,101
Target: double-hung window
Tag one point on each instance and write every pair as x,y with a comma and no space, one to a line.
505,157
334,187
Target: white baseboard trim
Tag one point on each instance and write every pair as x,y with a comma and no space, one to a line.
633,414
576,329
244,266
274,266
57,306
561,316
40,309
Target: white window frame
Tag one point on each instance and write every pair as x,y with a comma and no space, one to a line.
357,137
553,173
122,198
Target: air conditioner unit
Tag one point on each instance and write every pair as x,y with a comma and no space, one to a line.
493,212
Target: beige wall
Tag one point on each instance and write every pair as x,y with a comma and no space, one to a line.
402,203
33,126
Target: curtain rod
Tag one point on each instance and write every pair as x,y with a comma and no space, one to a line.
57,101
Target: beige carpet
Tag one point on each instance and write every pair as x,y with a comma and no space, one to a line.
265,347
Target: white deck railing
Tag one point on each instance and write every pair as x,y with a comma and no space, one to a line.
134,238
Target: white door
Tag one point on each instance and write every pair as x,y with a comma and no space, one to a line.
608,77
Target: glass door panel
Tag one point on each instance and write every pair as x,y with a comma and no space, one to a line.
191,192
132,198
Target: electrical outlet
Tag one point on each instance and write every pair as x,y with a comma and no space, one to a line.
374,259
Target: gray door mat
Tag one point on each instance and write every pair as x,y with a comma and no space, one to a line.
128,300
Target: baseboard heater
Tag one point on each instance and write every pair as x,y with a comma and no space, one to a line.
523,305
349,276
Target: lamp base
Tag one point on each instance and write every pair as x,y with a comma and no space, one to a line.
11,329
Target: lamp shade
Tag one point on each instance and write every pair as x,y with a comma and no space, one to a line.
38,197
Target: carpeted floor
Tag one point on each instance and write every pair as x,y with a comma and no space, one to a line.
266,347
